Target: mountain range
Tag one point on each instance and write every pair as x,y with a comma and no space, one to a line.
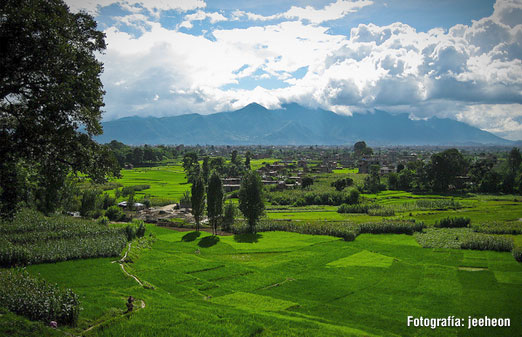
294,125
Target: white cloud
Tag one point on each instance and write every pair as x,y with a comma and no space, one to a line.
93,6
463,73
200,16
504,120
333,11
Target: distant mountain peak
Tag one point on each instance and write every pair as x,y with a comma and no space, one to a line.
294,124
254,107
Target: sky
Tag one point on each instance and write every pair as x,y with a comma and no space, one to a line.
459,59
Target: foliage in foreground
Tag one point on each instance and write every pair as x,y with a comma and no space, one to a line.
37,299
33,238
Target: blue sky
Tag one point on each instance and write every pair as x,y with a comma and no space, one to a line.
459,59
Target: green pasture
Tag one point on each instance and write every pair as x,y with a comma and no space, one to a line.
289,284
167,183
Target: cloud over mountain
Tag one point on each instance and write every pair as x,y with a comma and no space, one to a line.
207,60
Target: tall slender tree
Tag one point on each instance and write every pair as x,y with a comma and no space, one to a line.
214,200
198,199
251,198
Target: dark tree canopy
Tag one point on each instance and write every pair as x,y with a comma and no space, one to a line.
251,198
214,200
446,166
50,87
197,199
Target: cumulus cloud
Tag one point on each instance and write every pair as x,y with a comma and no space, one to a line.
200,16
333,11
93,6
472,73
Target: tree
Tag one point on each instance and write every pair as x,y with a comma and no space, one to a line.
197,199
341,184
514,160
306,182
393,181
205,169
214,200
229,216
372,183
251,198
49,87
233,158
248,156
360,149
445,167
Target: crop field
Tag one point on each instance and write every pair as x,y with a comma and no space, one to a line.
283,284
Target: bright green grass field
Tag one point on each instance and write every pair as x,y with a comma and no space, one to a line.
167,183
289,284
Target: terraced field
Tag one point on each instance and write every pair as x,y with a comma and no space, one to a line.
286,284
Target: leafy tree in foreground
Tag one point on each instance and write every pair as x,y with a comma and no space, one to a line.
198,199
49,87
214,200
251,198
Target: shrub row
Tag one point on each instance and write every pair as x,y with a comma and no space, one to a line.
456,222
357,208
37,299
343,230
374,210
347,231
381,212
477,241
499,228
391,227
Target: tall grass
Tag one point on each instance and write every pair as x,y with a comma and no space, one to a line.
33,238
453,222
37,299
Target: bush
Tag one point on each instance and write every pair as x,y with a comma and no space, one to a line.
359,208
130,231
37,299
88,204
456,222
517,253
477,241
391,227
103,221
381,212
228,217
513,228
140,228
114,213
107,201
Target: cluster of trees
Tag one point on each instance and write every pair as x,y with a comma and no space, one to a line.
450,170
235,168
209,193
141,155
